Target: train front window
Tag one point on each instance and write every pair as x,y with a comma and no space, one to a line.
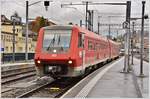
56,40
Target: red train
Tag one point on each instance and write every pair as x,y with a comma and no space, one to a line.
70,51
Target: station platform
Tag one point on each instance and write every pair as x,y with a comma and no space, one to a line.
14,64
8,66
111,83
17,63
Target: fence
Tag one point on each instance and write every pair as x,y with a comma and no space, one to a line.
7,57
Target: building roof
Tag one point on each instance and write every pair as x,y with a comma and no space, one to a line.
6,21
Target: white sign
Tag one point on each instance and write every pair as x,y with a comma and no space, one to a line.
125,25
17,19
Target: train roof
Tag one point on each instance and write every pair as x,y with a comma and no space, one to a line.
91,34
61,27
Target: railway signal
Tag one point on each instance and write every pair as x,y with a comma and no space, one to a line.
46,4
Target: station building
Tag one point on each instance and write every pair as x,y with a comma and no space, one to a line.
20,40
7,37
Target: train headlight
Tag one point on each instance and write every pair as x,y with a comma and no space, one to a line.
54,50
70,61
50,68
38,61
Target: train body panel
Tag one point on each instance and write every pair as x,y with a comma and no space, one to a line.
67,51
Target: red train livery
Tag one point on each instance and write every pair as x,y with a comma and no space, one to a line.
70,51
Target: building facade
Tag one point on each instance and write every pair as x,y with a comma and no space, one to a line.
7,38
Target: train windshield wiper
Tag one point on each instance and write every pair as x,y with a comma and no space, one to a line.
58,39
59,42
52,42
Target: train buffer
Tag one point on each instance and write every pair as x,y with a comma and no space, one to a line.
108,82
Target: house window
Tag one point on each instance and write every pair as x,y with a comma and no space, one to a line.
11,49
6,48
17,30
29,48
2,37
20,48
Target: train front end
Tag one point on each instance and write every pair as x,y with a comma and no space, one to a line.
54,52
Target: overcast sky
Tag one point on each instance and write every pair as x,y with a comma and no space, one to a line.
75,14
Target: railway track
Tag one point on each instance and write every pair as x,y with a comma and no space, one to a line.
51,89
56,88
15,70
11,75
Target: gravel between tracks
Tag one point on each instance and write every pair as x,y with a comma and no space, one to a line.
16,91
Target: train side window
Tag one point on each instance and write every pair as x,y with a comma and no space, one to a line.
101,46
81,40
94,46
97,46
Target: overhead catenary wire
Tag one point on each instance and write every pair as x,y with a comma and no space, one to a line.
21,5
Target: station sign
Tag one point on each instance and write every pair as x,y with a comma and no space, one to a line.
126,25
17,19
2,49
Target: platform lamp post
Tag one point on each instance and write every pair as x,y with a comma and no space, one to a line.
46,4
142,38
132,37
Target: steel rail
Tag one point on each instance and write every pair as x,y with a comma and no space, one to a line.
17,78
28,93
14,74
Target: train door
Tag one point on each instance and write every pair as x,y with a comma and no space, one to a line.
83,52
109,49
82,45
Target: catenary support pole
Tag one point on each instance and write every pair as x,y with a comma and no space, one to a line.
13,58
129,34
98,27
80,23
86,17
26,45
127,31
142,39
